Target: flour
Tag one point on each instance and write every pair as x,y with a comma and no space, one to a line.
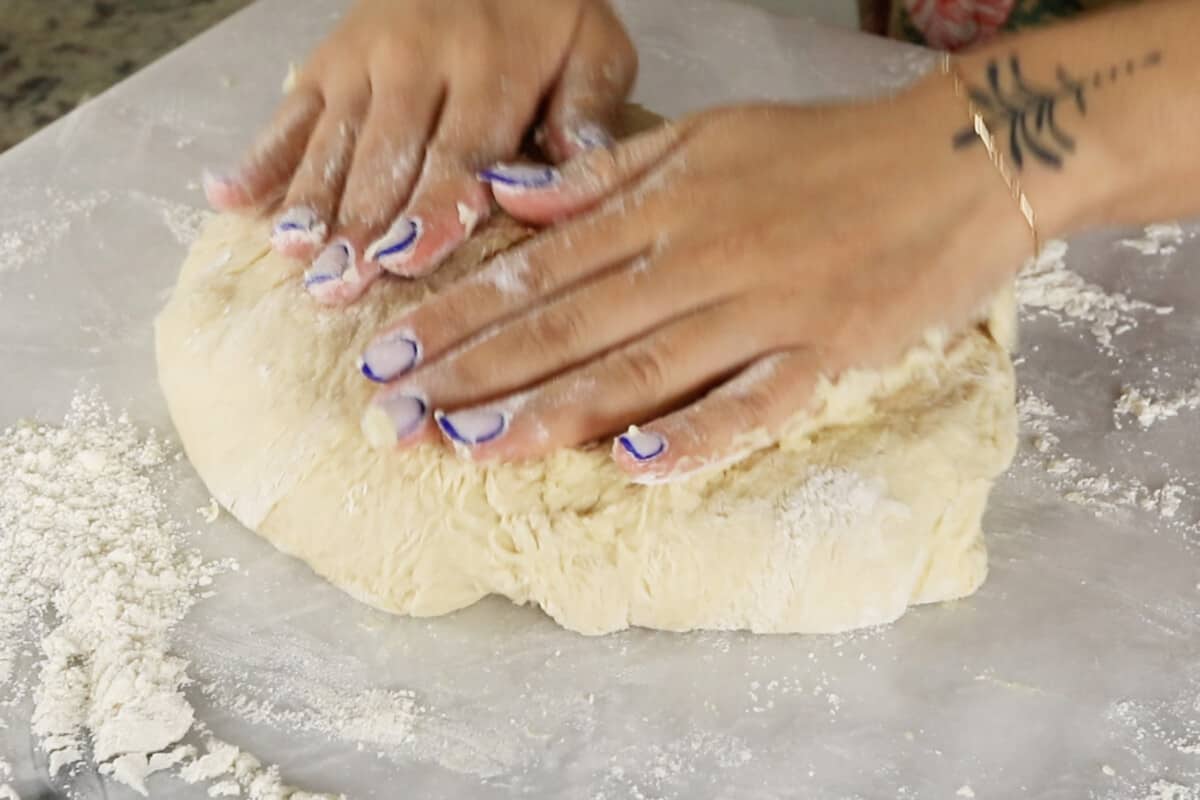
1158,240
1081,483
664,772
1046,285
1148,405
507,273
831,502
28,237
89,549
182,220
1169,790
11,245
6,774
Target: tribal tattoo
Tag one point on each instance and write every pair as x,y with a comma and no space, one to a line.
1028,113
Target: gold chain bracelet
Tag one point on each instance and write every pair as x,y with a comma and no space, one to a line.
979,124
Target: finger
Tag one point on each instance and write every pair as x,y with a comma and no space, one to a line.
618,306
585,105
449,200
723,427
316,187
386,162
541,194
631,384
268,167
510,283
339,274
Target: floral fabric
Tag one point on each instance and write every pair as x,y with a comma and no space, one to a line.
955,24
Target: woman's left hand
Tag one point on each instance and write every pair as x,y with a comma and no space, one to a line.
700,279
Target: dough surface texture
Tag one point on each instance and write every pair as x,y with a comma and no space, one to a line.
866,506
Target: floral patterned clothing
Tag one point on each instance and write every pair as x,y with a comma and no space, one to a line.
955,24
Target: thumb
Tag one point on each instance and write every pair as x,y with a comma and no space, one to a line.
585,104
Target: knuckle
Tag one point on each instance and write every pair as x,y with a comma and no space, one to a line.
464,371
398,56
537,276
453,311
558,328
644,370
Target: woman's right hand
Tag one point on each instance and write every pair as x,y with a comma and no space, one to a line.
371,161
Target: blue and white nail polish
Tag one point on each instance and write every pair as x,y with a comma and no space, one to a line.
299,225
397,245
590,136
391,419
473,426
642,445
390,356
520,177
334,266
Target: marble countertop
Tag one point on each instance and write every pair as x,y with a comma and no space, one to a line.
54,54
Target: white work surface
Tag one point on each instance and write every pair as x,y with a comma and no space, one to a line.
1073,673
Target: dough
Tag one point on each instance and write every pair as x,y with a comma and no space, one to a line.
866,507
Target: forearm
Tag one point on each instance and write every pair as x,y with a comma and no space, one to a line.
1109,127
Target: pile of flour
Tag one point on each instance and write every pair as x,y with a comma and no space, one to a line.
95,573
1046,285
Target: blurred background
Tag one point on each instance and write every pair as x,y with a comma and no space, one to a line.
54,54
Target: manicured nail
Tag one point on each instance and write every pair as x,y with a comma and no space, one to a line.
472,426
297,226
216,185
396,246
390,419
520,177
590,136
389,357
642,445
335,265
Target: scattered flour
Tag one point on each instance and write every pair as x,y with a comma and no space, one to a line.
27,237
1045,284
1169,790
835,501
1148,406
1161,239
92,566
1081,483
11,245
182,220
6,774
661,772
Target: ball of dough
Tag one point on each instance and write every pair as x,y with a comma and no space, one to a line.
866,506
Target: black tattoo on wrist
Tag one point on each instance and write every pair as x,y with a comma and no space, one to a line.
1009,102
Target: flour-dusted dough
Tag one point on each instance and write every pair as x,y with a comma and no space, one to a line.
868,506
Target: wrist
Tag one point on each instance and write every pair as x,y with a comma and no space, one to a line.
1060,168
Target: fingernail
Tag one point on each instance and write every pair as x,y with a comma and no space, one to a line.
215,184
472,426
390,419
590,136
298,225
520,177
389,357
334,265
396,246
642,445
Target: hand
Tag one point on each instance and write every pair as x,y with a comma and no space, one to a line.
375,149
707,274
